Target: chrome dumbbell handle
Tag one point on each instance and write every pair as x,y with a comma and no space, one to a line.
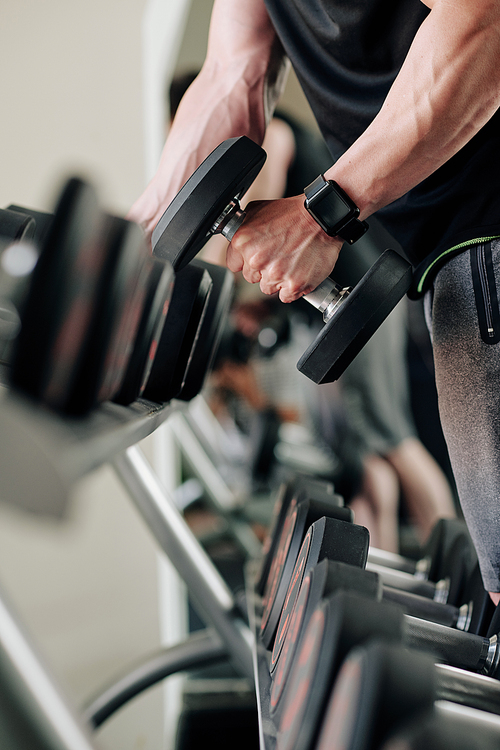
327,297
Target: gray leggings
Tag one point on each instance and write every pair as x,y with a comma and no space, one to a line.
463,315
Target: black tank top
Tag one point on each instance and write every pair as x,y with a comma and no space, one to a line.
346,54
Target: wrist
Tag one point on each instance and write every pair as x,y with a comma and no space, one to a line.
334,210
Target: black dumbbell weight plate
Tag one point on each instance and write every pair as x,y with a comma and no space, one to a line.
115,315
349,544
284,498
192,289
339,623
226,173
60,303
379,687
325,539
123,297
357,318
319,582
159,286
305,488
211,329
439,544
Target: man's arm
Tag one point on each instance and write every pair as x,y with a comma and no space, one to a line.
447,89
234,94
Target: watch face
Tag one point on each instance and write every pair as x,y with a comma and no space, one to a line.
332,208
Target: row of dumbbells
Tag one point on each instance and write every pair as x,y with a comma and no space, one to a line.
88,314
359,649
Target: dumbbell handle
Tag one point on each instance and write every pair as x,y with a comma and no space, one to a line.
418,568
407,582
467,688
326,297
428,609
464,650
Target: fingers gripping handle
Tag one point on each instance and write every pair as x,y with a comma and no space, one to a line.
326,297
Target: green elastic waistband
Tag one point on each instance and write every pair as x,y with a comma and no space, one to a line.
424,277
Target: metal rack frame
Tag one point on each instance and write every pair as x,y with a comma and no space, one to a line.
54,453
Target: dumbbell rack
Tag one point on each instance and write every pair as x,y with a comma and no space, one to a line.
260,657
54,453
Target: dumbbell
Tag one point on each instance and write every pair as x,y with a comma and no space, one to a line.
381,688
287,491
208,203
472,616
195,321
467,651
433,565
312,581
192,290
83,303
16,226
338,624
447,590
289,555
343,540
471,607
210,333
126,324
448,548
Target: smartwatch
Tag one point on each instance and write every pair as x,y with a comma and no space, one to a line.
334,211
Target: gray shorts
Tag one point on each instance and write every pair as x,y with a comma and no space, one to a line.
375,388
463,315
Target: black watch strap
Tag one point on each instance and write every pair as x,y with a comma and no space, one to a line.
334,210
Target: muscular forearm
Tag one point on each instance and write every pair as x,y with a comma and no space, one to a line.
234,94
447,89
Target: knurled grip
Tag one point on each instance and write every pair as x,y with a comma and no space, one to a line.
404,581
420,606
454,647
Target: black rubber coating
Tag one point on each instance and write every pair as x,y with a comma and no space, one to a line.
226,174
450,646
345,542
302,488
48,352
494,626
357,319
378,687
192,288
160,284
280,509
456,569
438,546
118,303
482,606
322,580
211,329
421,606
339,623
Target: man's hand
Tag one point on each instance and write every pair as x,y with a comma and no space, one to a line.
281,247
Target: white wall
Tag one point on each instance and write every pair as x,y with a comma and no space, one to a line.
70,98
